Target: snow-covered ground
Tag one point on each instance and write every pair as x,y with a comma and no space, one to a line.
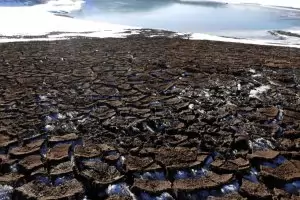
39,20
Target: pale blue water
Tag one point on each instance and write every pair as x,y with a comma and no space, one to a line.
173,15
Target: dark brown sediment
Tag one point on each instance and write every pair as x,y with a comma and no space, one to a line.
160,116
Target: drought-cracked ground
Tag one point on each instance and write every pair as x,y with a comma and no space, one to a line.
142,118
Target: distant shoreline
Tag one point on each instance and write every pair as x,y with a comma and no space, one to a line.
145,33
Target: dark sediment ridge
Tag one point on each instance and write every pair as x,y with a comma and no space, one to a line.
142,118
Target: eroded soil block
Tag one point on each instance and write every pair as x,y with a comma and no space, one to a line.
176,157
100,174
133,163
255,190
27,149
12,179
35,190
287,172
30,163
231,166
62,169
151,186
206,182
58,153
72,137
89,151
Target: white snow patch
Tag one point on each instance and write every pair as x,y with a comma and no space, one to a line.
229,188
206,94
256,75
72,114
43,97
61,116
259,90
6,192
252,70
273,83
81,121
261,144
191,106
39,21
14,168
49,127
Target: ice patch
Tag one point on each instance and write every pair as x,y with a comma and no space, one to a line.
275,163
293,187
261,144
191,106
49,127
252,70
210,159
6,192
259,90
256,75
119,189
233,187
61,116
72,114
151,176
62,180
206,94
239,87
279,116
273,3
43,98
252,176
181,174
273,83
163,196
14,168
43,179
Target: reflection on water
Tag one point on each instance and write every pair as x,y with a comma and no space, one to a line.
141,5
120,6
189,16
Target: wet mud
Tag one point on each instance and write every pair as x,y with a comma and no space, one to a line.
149,119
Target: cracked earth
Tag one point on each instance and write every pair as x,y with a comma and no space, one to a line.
142,118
